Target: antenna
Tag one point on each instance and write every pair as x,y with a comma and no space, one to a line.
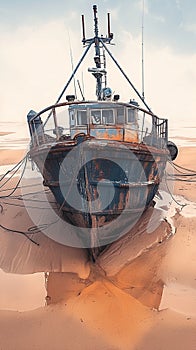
83,98
83,31
143,96
83,86
95,20
72,65
110,35
108,25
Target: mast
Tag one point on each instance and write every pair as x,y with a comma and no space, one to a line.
102,91
97,58
99,72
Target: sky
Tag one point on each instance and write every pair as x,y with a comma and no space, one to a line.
36,38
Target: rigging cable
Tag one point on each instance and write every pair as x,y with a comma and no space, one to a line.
9,171
181,167
181,175
17,231
173,198
33,229
24,186
24,160
26,206
72,64
143,95
14,170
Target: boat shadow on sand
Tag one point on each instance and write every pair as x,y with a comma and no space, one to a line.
131,263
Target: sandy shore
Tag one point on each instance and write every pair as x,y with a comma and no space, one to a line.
8,156
186,158
2,133
140,295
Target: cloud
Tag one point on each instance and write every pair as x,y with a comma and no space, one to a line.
190,27
35,64
170,85
167,23
172,31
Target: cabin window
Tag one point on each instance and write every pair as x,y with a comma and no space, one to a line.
81,118
72,119
120,117
96,116
131,116
107,116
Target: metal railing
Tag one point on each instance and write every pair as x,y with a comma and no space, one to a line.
151,129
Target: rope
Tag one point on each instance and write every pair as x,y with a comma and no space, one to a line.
181,175
9,171
15,188
181,167
16,231
173,198
26,206
24,186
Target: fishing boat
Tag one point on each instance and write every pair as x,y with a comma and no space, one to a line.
102,159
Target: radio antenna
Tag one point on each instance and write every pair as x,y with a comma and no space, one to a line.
143,95
72,64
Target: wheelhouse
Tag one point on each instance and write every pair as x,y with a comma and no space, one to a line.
105,121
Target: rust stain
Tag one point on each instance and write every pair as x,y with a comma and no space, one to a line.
121,201
131,135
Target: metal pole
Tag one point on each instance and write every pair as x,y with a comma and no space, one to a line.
81,90
129,81
75,70
83,30
71,77
143,95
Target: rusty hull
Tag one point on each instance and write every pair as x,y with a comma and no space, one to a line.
132,193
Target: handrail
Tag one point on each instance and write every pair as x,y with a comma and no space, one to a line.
39,132
62,104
